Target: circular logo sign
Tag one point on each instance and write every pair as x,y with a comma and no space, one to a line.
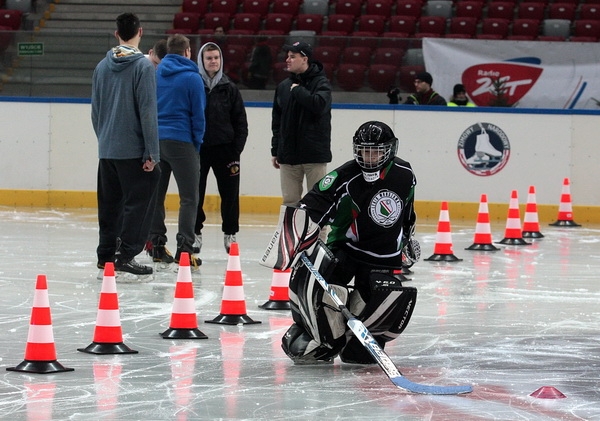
385,208
483,149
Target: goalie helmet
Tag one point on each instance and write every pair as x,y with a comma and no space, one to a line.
374,146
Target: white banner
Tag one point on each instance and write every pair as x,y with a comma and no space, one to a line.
532,74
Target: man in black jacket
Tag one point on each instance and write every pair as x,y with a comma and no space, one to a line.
301,123
424,94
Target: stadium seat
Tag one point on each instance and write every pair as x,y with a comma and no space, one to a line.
279,22
409,8
439,8
356,55
213,20
403,24
371,23
525,29
195,6
333,39
562,11
531,10
224,6
241,37
586,28
493,28
348,7
350,77
235,55
394,40
556,28
501,10
381,77
290,7
390,56
327,54
310,22
432,25
341,23
462,26
185,22
256,6
379,7
588,11
413,57
317,7
468,9
247,21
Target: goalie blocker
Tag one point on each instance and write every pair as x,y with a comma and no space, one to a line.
319,332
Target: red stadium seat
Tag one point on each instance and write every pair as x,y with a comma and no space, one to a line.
310,22
290,7
589,11
348,7
501,10
195,6
381,77
407,75
224,6
389,56
350,77
356,55
327,54
379,7
404,24
492,28
371,23
341,23
279,22
529,28
186,22
562,11
432,25
531,10
247,21
214,20
468,9
463,26
394,40
586,28
256,6
364,39
409,8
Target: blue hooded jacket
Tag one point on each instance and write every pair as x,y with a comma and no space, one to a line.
181,100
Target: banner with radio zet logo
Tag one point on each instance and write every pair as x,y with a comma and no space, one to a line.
523,74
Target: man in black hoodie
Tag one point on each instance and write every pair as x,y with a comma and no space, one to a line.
301,123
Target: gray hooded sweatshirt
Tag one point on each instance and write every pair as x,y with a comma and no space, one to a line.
124,112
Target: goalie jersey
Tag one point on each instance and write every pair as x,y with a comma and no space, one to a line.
371,221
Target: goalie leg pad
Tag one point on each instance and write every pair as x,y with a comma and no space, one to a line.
302,349
295,233
312,308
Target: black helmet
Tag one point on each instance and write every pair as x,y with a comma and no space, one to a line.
376,140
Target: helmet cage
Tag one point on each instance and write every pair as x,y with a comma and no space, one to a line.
375,157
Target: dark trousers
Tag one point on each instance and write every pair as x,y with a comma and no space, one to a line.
225,163
126,200
181,159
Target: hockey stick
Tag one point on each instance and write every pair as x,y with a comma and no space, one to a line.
367,340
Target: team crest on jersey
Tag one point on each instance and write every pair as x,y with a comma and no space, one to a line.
327,181
385,208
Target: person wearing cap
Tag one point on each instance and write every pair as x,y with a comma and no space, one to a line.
459,97
301,123
424,94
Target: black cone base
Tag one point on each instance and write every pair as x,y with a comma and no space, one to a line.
105,348
482,247
564,223
193,333
514,242
228,319
40,367
275,305
532,234
443,258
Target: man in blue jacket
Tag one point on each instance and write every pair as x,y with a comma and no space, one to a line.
125,123
181,102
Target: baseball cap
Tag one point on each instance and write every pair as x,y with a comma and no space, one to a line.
424,77
300,47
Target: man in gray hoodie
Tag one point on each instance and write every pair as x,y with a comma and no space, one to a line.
124,117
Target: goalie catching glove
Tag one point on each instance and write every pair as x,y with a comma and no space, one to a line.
295,233
411,253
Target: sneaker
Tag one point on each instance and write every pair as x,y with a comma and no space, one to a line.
131,266
227,240
198,243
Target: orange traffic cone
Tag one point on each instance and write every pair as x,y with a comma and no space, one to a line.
512,234
108,335
482,239
442,251
279,298
565,209
40,352
233,304
531,223
184,323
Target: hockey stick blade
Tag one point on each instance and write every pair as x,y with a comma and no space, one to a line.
382,359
